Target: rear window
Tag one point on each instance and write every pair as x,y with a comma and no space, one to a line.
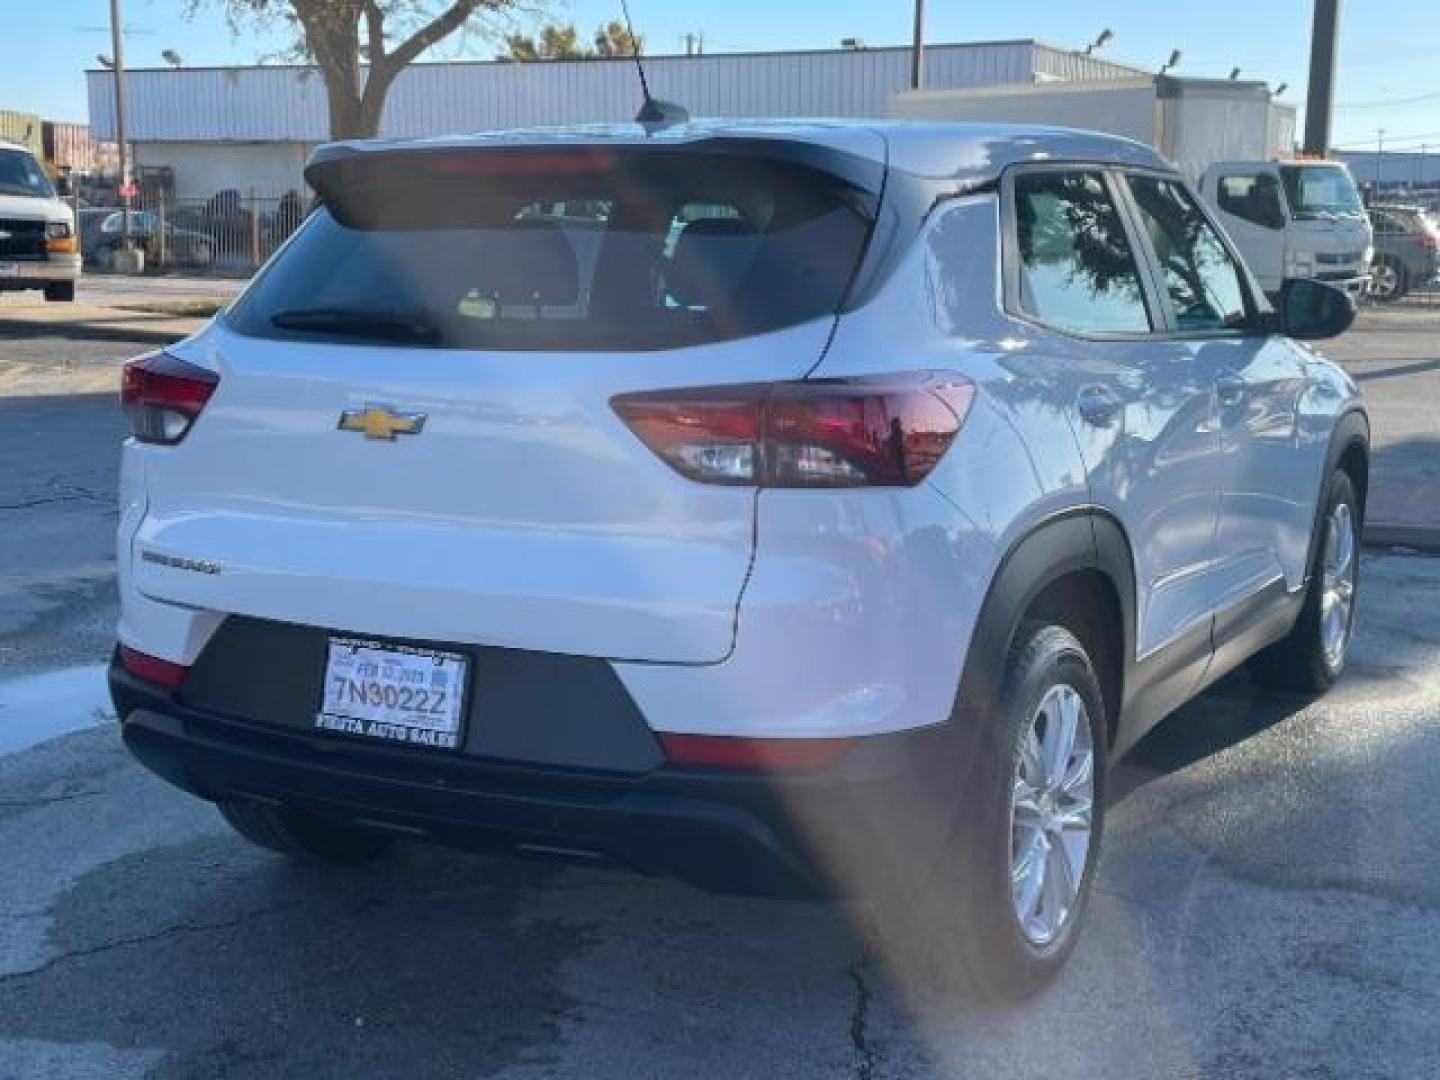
563,251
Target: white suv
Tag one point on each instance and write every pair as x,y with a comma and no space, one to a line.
789,507
38,246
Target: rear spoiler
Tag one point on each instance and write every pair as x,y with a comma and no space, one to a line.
359,180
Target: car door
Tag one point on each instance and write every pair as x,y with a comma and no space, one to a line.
1270,475
1249,206
1143,415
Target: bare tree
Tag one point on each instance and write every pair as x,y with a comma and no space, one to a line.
334,35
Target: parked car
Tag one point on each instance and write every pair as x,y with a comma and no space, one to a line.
37,229
182,247
840,545
1407,250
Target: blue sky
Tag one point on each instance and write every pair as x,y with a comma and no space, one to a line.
1389,70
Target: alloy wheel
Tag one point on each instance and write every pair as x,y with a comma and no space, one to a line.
1051,810
1337,585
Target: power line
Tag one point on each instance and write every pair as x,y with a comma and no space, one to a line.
1379,104
1368,143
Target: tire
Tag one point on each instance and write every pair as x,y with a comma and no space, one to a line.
1391,279
1302,662
301,835
963,928
60,291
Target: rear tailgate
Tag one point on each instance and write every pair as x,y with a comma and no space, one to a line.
524,514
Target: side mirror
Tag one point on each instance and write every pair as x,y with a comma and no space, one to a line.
1311,310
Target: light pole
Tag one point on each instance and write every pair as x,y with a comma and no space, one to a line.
1379,156
1324,36
128,261
917,48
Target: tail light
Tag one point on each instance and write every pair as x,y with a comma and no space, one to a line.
163,395
152,669
886,431
732,752
1430,241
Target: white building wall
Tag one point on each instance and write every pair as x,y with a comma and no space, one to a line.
287,104
202,169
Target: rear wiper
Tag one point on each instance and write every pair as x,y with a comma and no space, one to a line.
395,324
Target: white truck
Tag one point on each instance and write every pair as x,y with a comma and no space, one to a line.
1293,219
38,245
1230,138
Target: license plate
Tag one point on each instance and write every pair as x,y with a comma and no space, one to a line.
9,269
393,692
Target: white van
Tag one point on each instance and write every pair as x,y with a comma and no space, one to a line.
38,246
1293,219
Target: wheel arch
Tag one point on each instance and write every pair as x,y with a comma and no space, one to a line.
1349,450
1075,569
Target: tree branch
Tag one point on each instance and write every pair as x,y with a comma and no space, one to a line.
434,31
375,31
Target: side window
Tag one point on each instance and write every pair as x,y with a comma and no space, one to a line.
1077,271
1202,277
1255,199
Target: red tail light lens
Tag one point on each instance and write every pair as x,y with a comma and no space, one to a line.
730,752
163,395
164,673
888,431
1430,241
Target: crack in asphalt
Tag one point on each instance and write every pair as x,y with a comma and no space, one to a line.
859,1021
175,930
26,804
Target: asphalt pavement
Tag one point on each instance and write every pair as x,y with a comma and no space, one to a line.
1268,905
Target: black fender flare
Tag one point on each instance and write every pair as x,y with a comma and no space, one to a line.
1086,538
1352,428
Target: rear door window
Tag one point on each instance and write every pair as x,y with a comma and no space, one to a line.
573,251
1077,271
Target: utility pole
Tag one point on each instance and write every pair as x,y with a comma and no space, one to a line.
1324,40
1379,155
117,48
917,48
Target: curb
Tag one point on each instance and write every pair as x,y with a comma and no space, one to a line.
1420,538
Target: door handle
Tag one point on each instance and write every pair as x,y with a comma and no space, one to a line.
1230,389
1098,405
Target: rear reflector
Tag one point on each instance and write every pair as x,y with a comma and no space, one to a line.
731,752
164,673
886,431
163,395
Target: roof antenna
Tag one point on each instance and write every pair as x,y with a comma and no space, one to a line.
654,112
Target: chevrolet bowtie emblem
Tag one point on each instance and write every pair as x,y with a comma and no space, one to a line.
381,422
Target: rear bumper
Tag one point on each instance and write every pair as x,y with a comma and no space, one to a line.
874,818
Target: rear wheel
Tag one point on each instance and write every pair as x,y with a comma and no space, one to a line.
1390,281
302,835
1004,909
63,291
1312,656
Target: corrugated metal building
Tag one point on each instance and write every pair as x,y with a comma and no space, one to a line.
254,127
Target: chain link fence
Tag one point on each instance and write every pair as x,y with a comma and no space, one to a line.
229,234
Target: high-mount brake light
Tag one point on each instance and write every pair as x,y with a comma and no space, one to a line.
883,431
163,395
